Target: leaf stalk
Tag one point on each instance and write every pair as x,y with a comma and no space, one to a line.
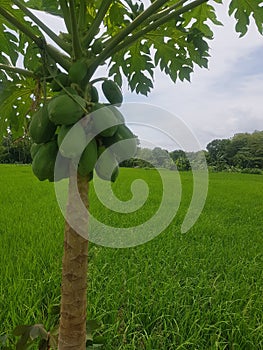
76,45
61,43
24,72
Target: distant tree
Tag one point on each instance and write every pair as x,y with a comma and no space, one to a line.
15,151
242,151
218,153
180,159
256,147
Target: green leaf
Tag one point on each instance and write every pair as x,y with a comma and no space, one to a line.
54,309
8,44
20,330
136,65
38,330
199,16
43,345
242,10
15,102
92,325
50,6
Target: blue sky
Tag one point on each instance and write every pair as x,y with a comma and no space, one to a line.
220,101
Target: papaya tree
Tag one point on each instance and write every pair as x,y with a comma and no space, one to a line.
46,88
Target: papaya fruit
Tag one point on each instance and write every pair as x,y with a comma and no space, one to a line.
61,168
97,47
101,149
41,129
90,176
65,110
34,149
122,150
61,78
74,144
94,95
44,161
112,92
117,114
88,158
104,121
107,166
115,174
77,71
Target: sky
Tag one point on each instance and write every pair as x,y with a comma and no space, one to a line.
220,101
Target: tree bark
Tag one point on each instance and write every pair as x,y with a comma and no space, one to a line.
72,327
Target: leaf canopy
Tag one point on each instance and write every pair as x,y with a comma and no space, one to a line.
136,38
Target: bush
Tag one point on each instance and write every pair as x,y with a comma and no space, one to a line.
252,171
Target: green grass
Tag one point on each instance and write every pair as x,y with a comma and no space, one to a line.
199,290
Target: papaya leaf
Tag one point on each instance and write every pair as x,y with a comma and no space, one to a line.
43,345
15,102
54,309
8,44
3,341
20,330
24,333
92,325
53,341
99,339
200,16
49,6
38,330
136,65
242,11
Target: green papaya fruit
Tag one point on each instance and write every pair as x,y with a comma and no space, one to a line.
41,129
63,109
75,143
117,114
112,92
61,168
88,158
123,150
97,47
90,176
103,120
61,78
44,161
34,149
77,71
107,166
101,149
94,95
115,174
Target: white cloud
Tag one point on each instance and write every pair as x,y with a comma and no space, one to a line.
226,98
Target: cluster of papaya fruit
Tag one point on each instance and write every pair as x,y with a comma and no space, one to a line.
95,137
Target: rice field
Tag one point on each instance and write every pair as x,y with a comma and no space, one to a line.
199,290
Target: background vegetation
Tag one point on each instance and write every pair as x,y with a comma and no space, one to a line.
242,152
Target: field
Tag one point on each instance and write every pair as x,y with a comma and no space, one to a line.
198,290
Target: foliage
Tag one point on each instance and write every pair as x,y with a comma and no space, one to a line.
134,40
36,335
15,150
242,151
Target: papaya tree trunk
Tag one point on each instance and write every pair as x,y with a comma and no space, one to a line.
72,327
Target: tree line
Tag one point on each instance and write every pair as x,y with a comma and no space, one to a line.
242,152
